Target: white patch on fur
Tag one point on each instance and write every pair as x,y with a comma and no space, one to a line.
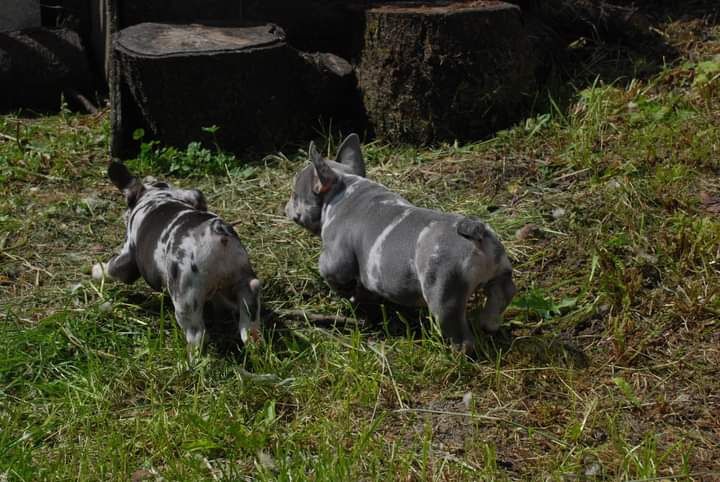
357,181
400,202
99,271
433,255
327,217
374,265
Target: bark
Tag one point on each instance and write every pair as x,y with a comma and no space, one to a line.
432,73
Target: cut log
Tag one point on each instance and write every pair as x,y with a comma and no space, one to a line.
456,71
186,77
173,80
38,65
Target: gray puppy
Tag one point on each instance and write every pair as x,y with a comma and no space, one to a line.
175,244
374,240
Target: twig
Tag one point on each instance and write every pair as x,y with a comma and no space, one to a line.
385,362
7,137
571,174
319,317
673,477
27,263
37,174
17,135
489,418
82,100
79,344
452,458
264,377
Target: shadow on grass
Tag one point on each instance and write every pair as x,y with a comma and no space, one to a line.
372,319
387,321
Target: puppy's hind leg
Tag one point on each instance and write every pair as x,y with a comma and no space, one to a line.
339,269
450,313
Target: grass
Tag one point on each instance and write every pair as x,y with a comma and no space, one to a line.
611,371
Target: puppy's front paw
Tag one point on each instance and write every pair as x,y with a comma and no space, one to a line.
99,271
250,334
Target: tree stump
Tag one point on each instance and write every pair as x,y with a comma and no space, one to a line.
38,66
444,72
173,80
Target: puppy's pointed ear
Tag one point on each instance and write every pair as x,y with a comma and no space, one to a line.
349,153
325,177
120,175
193,197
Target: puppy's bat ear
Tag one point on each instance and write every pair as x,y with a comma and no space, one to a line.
120,175
325,177
349,153
200,202
193,197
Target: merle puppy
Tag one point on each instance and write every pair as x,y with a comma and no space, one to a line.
375,241
175,244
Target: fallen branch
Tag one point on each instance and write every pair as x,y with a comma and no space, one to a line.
333,319
76,96
9,138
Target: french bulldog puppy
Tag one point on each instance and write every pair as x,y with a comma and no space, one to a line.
176,245
375,241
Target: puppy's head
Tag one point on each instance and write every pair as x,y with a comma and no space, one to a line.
134,190
318,180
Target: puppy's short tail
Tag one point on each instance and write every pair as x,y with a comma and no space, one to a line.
473,229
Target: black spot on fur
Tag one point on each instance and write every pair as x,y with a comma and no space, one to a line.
194,268
165,237
187,222
157,218
174,270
